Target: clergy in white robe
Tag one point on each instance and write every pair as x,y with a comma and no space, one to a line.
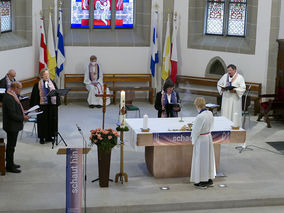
203,169
232,99
93,79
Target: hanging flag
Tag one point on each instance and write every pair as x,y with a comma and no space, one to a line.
166,52
51,58
42,47
174,57
60,53
154,55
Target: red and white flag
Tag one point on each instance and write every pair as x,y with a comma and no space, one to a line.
174,56
42,49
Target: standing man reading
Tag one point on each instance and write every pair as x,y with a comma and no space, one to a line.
13,117
93,79
232,87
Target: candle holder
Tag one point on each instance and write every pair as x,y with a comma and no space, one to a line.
145,130
235,127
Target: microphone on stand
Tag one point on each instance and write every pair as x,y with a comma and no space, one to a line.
79,129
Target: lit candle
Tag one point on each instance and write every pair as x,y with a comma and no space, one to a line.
236,119
145,122
122,106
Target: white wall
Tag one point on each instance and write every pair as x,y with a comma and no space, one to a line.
254,67
281,31
23,60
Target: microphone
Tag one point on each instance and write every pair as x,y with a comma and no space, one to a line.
79,129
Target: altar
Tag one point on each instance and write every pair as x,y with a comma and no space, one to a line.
168,151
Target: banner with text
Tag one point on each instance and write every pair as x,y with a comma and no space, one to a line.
73,180
175,138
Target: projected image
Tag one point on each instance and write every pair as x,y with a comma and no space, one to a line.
102,13
80,13
124,14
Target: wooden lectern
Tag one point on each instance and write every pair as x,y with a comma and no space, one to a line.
63,151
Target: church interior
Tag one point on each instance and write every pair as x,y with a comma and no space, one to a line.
249,180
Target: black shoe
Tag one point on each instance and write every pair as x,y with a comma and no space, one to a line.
92,106
210,182
200,185
17,166
13,170
98,106
41,141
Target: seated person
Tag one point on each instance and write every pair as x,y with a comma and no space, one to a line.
167,101
93,79
6,81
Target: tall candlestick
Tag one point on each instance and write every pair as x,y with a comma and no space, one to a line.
122,109
145,122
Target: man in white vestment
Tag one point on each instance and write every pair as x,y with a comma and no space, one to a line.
232,87
203,169
93,79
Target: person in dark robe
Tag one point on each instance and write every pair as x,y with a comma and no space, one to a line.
47,122
5,82
13,117
167,101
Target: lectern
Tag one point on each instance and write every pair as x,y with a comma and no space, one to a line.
74,176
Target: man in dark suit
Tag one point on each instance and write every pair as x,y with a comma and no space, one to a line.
6,81
13,117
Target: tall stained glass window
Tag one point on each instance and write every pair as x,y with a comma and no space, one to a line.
226,17
6,18
237,17
80,13
124,14
102,13
215,17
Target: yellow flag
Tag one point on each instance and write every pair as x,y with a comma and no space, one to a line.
167,53
51,58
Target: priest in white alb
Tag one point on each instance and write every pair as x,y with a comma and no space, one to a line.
93,79
203,169
232,87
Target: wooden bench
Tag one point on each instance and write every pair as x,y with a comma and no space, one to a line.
115,86
208,87
111,80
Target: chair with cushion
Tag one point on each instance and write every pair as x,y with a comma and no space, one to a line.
272,107
129,97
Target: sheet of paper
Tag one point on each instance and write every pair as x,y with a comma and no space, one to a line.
33,108
34,113
2,90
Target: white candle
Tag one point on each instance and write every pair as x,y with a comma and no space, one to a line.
145,122
236,119
122,105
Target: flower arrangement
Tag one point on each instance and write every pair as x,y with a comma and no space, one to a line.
105,139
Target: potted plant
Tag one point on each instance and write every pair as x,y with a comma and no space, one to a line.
105,139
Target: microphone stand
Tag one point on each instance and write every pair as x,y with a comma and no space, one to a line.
84,168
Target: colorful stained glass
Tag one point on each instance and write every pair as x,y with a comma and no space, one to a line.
215,17
80,13
6,19
102,13
237,19
124,14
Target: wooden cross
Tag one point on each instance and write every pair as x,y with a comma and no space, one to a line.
104,97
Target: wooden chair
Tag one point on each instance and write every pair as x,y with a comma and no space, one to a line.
129,97
273,107
246,106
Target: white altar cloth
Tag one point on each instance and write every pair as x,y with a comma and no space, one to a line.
160,125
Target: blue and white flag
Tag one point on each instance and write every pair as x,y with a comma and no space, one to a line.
154,55
60,53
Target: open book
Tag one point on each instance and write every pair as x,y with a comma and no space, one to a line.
227,87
